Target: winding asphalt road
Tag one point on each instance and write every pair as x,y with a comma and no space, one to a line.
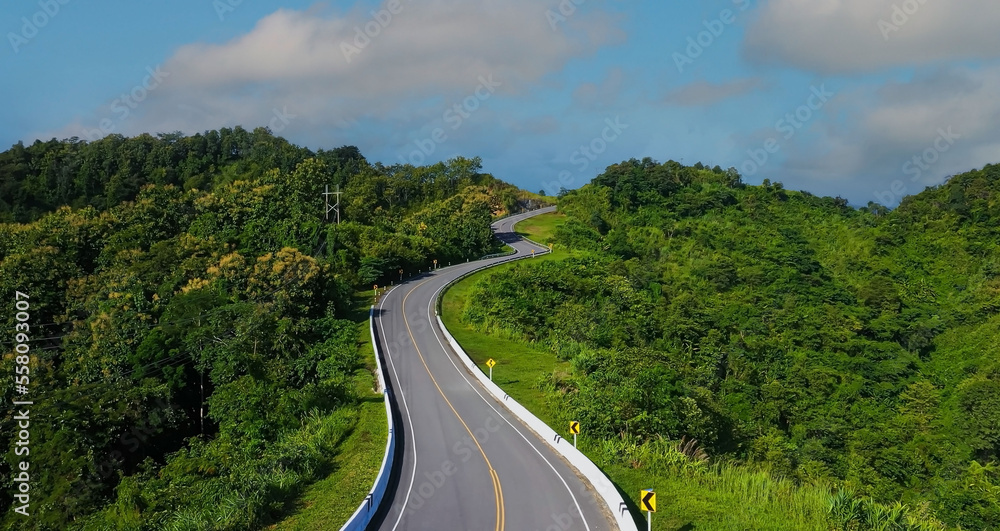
464,463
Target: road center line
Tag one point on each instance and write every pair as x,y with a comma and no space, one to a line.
533,447
497,489
399,390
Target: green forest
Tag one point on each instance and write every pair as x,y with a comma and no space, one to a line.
709,326
199,329
195,317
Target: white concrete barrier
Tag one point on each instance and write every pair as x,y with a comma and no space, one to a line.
600,482
604,487
363,515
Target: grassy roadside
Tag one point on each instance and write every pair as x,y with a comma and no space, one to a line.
724,498
329,502
541,228
519,366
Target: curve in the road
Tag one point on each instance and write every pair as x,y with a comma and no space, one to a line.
514,427
497,488
448,420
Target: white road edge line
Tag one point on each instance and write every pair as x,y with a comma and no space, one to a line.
402,396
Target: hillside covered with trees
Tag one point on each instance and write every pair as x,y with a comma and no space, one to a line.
850,348
193,320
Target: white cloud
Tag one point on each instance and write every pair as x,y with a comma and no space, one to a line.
429,56
844,36
882,129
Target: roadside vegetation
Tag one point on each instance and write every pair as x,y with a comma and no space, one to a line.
690,491
200,353
766,359
353,465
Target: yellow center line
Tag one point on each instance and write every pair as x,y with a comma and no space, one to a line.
503,516
497,489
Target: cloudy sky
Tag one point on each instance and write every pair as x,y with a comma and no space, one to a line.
866,99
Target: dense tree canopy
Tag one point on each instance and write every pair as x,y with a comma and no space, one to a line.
191,314
854,347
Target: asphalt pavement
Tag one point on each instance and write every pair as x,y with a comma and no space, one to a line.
463,461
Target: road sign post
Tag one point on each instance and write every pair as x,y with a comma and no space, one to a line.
574,428
647,502
490,363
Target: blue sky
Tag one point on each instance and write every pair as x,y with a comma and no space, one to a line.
866,99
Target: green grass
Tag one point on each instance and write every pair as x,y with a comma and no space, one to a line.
541,228
721,497
329,502
725,498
